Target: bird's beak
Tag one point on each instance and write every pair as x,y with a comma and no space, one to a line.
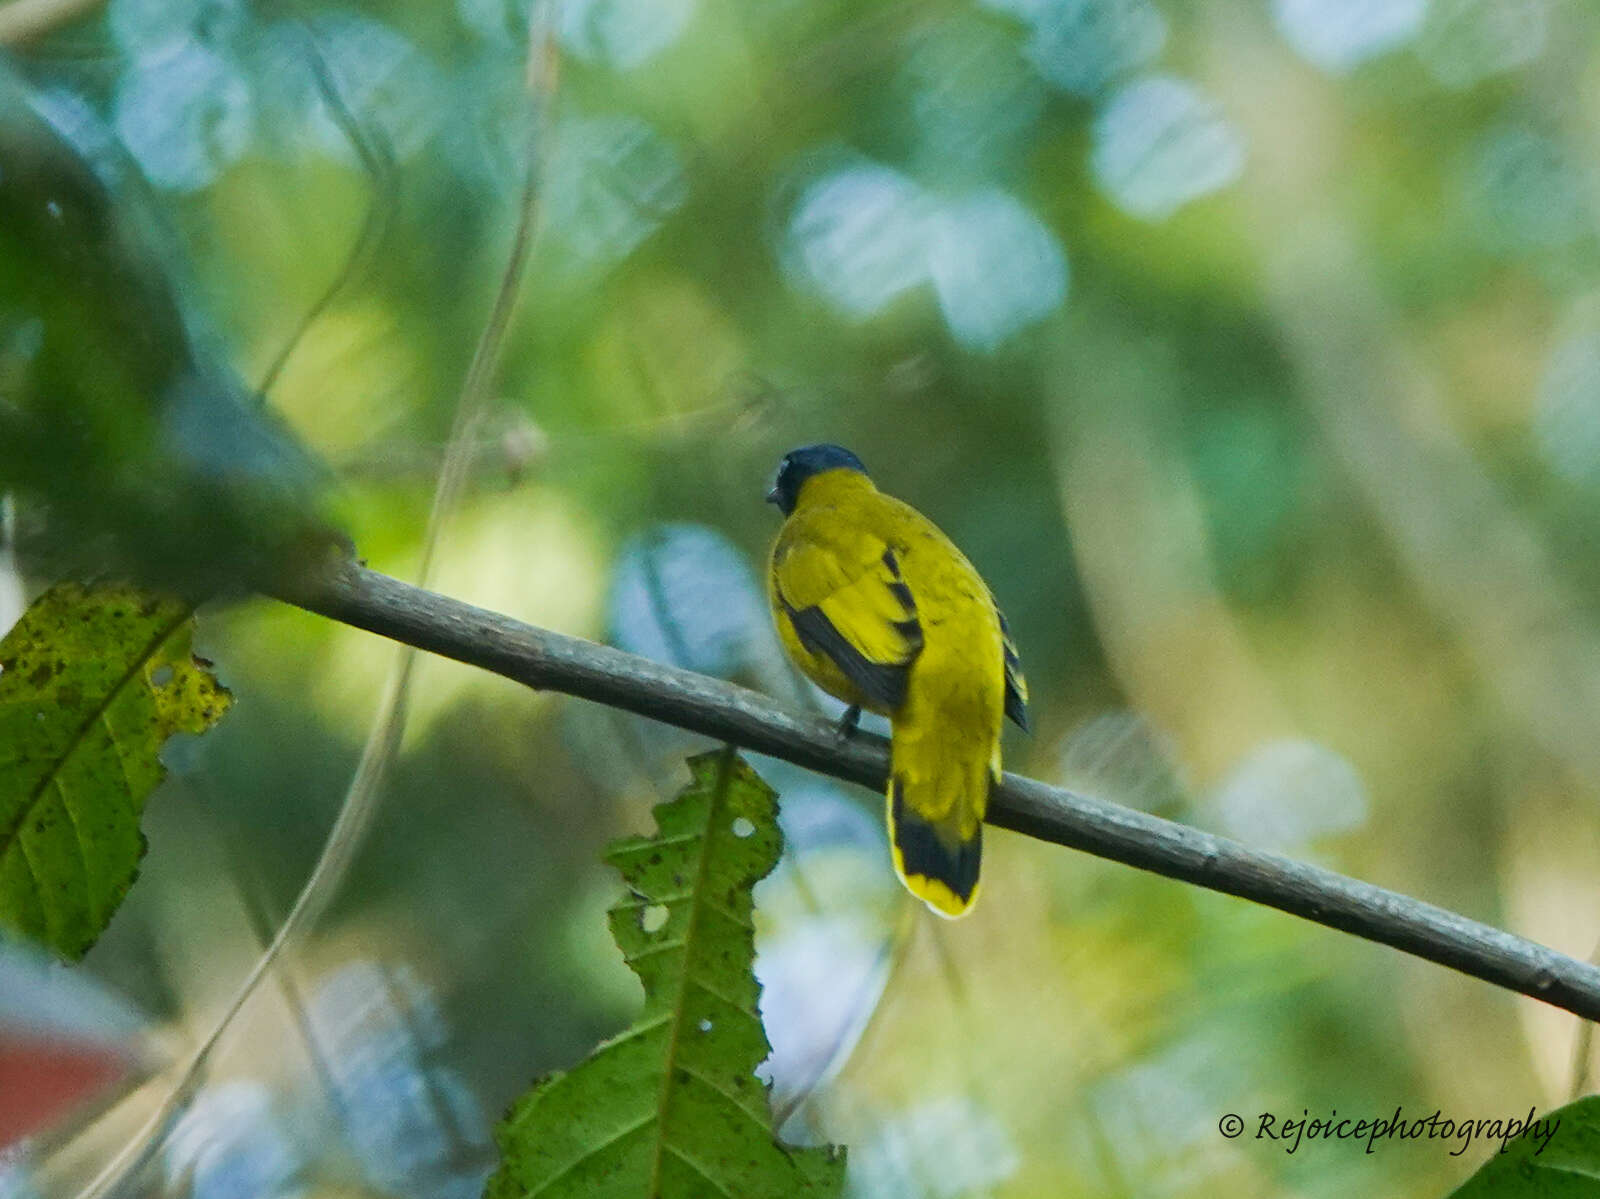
772,496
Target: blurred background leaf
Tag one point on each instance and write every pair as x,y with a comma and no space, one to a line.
143,450
1248,350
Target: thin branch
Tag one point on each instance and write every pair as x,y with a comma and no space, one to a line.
549,661
1583,1046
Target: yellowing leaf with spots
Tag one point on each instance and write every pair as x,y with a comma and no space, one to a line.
92,683
671,1109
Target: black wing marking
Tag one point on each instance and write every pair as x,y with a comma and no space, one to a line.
1016,685
901,591
882,682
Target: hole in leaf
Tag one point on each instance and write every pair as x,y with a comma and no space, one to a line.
654,917
705,1025
743,827
161,676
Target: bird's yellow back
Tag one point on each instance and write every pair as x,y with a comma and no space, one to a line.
880,609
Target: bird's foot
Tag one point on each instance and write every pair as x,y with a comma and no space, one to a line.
846,727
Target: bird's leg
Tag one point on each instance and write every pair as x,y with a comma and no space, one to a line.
847,722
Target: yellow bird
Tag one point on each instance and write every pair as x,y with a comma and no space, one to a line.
881,610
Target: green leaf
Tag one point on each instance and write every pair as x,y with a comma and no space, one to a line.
92,683
671,1109
1545,1164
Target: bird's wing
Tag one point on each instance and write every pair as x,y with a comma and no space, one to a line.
1016,685
849,603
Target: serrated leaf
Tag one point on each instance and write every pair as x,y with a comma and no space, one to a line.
92,683
671,1109
1558,1157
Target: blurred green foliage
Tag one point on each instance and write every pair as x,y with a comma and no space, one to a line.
1250,350
143,452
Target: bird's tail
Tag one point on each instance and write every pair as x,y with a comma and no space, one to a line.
935,807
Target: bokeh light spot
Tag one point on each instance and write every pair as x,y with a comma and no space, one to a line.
141,27
184,113
1339,35
1468,40
382,79
858,236
972,98
683,594
230,1142
1523,192
612,181
996,269
1286,793
867,234
1566,423
1159,144
1119,756
1082,46
622,33
943,1148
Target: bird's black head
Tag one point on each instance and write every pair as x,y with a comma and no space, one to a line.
799,465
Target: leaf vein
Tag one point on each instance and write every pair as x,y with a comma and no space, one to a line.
716,994
697,1168
38,884
117,752
572,1165
702,869
83,849
75,742
637,1031
648,902
710,1082
655,949
653,843
741,921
